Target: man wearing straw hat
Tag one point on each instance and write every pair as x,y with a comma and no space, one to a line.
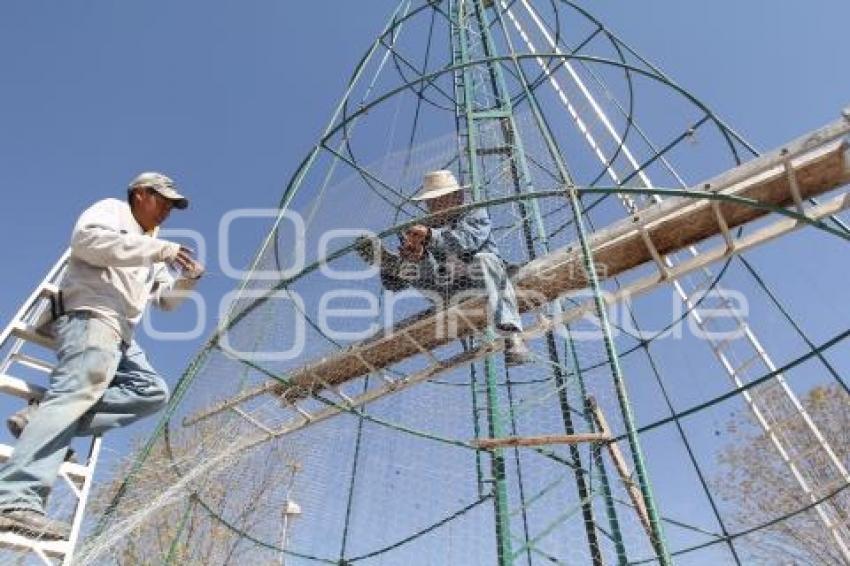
103,379
455,252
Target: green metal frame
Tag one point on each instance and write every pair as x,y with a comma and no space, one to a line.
505,114
342,123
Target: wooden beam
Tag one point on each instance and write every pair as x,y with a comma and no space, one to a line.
622,468
818,162
671,225
510,441
388,385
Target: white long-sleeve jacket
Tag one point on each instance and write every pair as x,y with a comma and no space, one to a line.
115,268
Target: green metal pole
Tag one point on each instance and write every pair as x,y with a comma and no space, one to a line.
619,384
175,543
523,184
513,146
476,426
596,454
349,505
622,395
500,490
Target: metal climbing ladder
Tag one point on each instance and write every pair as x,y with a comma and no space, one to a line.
16,341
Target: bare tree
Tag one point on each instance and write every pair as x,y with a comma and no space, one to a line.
759,487
223,518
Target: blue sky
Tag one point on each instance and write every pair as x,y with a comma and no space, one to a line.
227,97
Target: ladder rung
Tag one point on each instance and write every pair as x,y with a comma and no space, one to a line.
254,421
74,471
699,288
303,412
829,488
722,345
14,541
797,457
490,114
839,524
737,370
49,290
768,386
717,296
710,302
499,150
32,362
775,402
777,413
30,334
710,322
790,413
385,378
20,388
780,423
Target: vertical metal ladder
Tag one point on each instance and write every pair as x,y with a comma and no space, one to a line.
16,341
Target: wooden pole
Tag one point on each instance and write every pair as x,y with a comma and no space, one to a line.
509,441
622,467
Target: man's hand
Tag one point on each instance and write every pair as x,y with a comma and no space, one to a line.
366,247
413,243
411,250
189,266
418,233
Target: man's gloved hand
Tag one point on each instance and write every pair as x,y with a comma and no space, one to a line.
372,251
367,248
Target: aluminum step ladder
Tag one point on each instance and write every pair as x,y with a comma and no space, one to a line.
22,346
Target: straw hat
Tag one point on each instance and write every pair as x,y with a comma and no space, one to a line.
437,184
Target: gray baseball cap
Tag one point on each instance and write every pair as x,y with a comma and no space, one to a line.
161,184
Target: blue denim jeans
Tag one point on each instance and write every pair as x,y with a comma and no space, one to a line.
484,271
501,296
98,384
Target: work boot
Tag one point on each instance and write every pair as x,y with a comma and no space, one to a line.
516,352
18,422
33,524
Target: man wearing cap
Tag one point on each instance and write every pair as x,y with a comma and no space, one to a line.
455,252
102,379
